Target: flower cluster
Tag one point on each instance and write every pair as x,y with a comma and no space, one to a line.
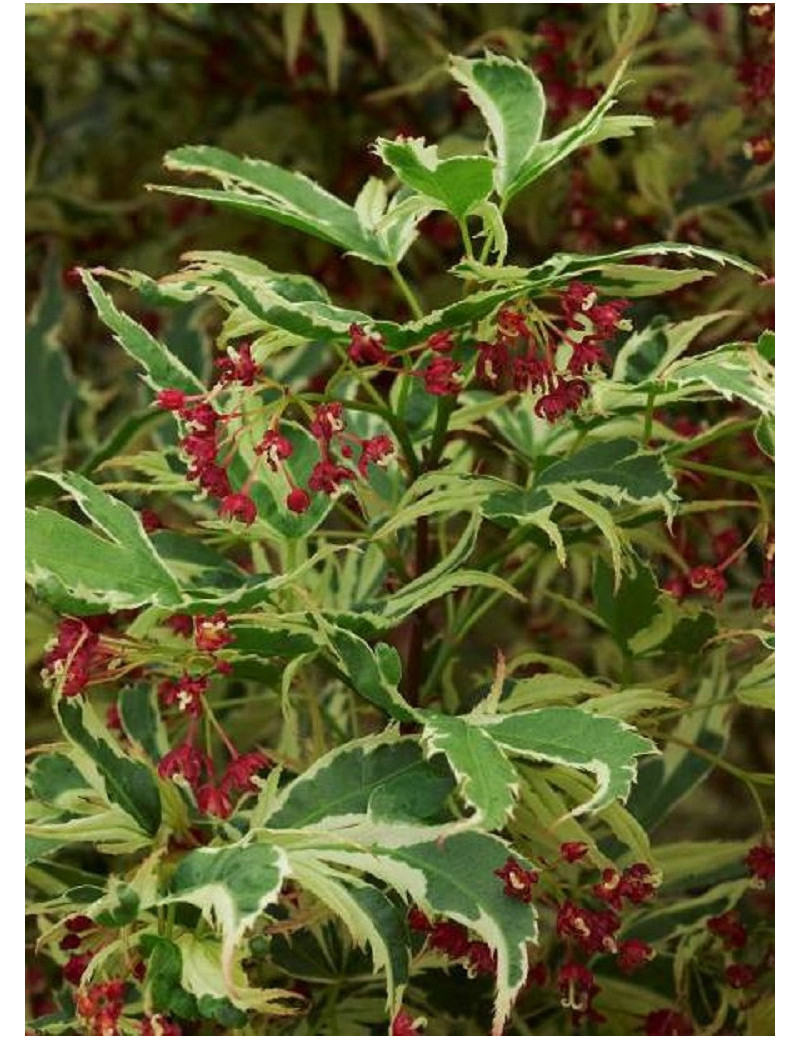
214,798
452,940
79,655
523,358
100,1006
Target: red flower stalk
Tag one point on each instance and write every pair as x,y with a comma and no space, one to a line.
518,882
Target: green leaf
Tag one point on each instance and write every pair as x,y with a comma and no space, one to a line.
511,101
459,184
546,154
486,779
261,188
373,674
627,607
163,371
766,346
330,22
605,747
731,373
50,390
53,777
383,779
757,687
67,562
142,722
231,886
455,878
371,918
127,784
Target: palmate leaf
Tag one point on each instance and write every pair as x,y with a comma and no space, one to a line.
457,184
486,779
163,370
231,886
383,778
371,918
131,786
263,189
455,878
77,570
511,100
731,373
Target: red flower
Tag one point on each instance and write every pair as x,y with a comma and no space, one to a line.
578,990
200,418
729,928
213,801
481,959
572,851
186,761
79,923
75,967
511,322
171,400
740,976
151,521
180,624
441,342
212,633
298,501
528,373
440,376
376,450
403,1025
764,596
275,448
450,938
327,422
710,579
327,475
632,954
666,1022
187,693
240,772
566,397
586,354
592,930
238,507
241,369
418,921
760,861
636,884
158,1025
493,362
518,881
366,349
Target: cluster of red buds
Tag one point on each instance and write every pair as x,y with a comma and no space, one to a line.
100,1006
452,940
521,359
214,798
79,655
727,546
760,861
210,452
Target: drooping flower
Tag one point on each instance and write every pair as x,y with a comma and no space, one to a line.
328,475
729,928
572,851
366,349
171,400
213,801
238,506
241,368
633,954
241,770
212,633
187,761
518,882
760,861
740,976
440,376
709,579
186,692
327,421
274,448
666,1022
377,450
404,1025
